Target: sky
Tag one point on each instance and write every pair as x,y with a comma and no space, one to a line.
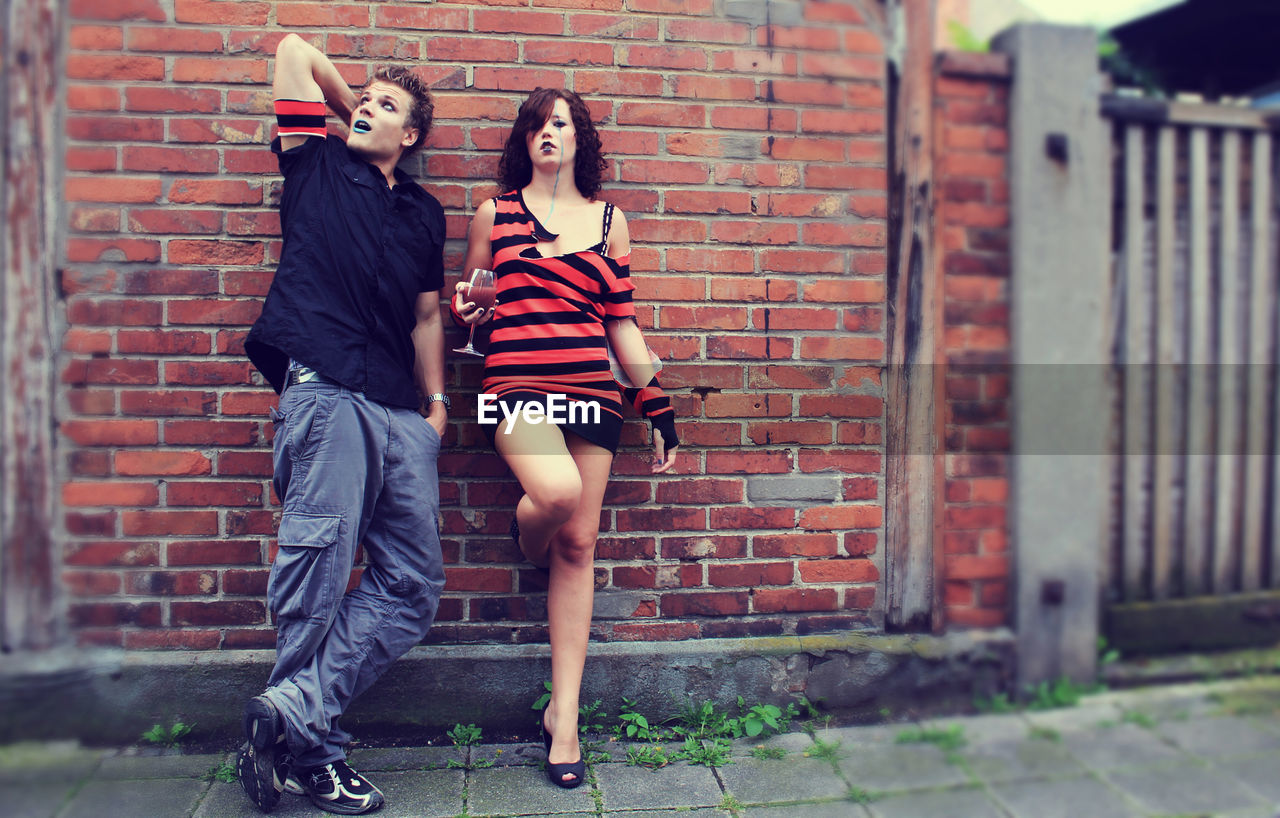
1094,12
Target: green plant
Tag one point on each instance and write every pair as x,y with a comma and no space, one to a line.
964,39
709,753
731,804
634,726
169,737
1061,693
542,700
588,715
949,739
756,719
1106,655
650,755
1139,718
860,796
703,721
829,750
768,753
464,735
1044,734
224,772
996,703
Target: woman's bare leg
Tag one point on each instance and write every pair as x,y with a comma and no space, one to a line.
537,455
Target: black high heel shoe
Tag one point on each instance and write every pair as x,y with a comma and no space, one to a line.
557,772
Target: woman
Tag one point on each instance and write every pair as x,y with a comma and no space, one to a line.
564,299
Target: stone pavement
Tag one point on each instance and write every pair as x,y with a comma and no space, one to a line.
1210,749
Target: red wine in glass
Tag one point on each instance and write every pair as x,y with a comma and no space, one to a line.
482,290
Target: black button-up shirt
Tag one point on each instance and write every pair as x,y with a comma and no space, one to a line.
357,253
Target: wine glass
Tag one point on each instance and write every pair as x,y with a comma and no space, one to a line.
482,290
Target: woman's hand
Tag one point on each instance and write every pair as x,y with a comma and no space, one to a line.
663,458
467,310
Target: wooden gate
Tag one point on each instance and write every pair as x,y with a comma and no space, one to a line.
1194,561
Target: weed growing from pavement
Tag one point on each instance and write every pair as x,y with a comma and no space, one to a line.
828,750
467,735
731,804
1139,718
169,737
768,753
652,756
224,772
1044,734
860,796
947,740
709,753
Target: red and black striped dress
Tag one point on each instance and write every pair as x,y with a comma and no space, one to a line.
547,335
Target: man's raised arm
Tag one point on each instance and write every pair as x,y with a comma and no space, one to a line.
304,74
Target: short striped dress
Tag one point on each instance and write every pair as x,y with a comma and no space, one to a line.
547,335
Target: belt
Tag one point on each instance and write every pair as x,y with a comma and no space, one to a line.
303,374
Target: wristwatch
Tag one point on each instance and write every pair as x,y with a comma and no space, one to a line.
441,397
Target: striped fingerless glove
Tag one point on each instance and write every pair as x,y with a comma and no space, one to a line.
654,404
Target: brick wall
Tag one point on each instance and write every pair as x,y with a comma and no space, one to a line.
971,133
748,153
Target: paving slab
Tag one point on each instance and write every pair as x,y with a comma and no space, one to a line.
1185,788
141,767
130,799
789,743
835,809
1119,746
1261,772
47,762
901,767
41,801
376,759
966,803
1017,759
523,791
227,800
761,781
1220,735
1001,727
430,794
1090,712
1064,798
624,787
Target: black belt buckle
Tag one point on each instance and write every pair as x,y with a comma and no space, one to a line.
302,374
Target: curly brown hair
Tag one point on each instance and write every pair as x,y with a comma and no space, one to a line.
423,108
516,169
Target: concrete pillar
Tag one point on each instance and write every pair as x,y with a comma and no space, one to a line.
1060,297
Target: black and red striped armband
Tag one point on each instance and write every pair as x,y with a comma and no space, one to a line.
299,117
654,404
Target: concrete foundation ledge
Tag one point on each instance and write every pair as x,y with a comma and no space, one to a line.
111,697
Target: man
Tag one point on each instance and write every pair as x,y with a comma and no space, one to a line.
350,333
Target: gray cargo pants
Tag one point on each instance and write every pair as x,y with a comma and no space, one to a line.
348,470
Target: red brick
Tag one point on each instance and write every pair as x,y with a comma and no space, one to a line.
214,494
91,583
221,12
522,23
675,519
218,613
219,252
210,433
145,98
110,494
111,432
975,517
254,464
170,160
91,159
836,517
568,52
478,579
214,191
793,600
727,603
846,571
245,583
708,547
673,57
96,38
701,31
113,250
813,433
793,545
841,406
171,220
174,39
114,614
113,189
212,552
700,492
172,583
976,618
657,632
115,68
750,575
162,342
115,129
167,462
842,67
202,640
963,566
749,462
117,10
754,232
738,518
752,61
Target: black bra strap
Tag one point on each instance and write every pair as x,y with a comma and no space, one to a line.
608,222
